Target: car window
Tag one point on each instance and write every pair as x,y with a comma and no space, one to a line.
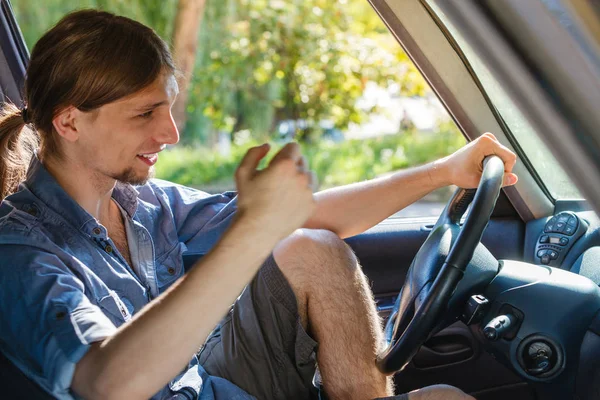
556,180
326,74
573,18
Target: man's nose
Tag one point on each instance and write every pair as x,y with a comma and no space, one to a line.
168,134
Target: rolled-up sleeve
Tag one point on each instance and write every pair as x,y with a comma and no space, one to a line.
48,322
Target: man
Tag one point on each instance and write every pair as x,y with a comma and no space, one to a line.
95,301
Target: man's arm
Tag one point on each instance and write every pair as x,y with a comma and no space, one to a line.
137,361
352,209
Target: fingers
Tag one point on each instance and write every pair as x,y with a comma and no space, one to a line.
288,162
303,168
510,179
495,147
508,157
250,162
302,164
313,181
490,135
289,151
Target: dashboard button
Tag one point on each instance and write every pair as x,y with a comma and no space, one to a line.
541,253
545,259
544,239
559,226
553,254
563,218
572,221
569,230
564,241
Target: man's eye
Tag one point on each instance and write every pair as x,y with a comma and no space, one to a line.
147,114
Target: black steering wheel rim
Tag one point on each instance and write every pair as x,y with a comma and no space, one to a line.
410,326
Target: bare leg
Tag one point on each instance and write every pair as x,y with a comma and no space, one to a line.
336,307
439,392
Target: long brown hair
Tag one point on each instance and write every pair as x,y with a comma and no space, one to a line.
90,58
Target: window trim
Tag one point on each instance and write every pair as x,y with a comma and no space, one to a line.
494,110
434,57
550,80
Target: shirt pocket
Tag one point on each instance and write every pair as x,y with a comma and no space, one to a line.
114,308
169,267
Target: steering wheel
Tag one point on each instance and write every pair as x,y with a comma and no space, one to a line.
431,295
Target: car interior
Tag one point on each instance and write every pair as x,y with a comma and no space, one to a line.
498,295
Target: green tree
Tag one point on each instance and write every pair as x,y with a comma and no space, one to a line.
185,47
264,61
260,62
35,19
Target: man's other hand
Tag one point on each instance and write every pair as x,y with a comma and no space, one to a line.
278,199
464,167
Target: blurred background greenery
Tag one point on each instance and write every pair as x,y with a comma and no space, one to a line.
274,70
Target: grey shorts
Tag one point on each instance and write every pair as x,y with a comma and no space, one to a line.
260,345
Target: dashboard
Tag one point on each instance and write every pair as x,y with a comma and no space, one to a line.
543,318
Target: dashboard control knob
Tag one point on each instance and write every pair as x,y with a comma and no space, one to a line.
497,327
546,259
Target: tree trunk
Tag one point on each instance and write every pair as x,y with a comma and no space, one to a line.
185,43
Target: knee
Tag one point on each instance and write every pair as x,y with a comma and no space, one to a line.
438,392
316,251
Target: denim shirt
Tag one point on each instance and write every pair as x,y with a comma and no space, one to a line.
64,284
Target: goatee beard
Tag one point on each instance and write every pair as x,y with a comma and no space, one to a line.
129,176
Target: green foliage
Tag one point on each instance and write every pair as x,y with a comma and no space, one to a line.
334,163
35,19
265,61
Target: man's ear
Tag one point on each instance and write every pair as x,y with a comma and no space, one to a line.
65,123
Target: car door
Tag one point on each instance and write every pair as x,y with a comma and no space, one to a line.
421,29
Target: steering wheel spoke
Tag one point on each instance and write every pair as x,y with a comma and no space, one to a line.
431,293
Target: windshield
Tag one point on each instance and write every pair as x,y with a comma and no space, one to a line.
546,166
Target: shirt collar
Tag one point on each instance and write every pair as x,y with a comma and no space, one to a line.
43,185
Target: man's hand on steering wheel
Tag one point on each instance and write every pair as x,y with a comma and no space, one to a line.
430,295
464,167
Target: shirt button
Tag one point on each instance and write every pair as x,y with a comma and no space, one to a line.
97,231
61,315
108,249
171,271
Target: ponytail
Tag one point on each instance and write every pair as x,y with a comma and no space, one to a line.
18,142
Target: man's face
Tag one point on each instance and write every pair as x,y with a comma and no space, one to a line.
121,140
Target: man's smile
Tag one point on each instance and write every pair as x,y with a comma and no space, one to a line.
148,158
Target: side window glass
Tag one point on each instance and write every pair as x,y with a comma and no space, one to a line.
327,74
